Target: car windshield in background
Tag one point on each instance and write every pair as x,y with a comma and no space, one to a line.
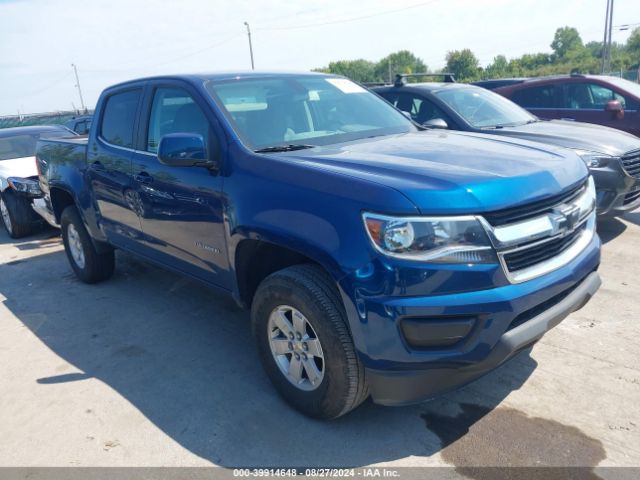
299,111
484,109
18,146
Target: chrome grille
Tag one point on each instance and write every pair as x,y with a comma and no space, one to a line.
530,210
631,163
535,246
541,251
631,197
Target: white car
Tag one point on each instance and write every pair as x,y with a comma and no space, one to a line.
19,175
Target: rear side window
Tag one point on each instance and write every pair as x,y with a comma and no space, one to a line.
119,116
536,97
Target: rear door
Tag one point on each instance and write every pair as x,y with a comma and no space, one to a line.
109,159
180,208
541,100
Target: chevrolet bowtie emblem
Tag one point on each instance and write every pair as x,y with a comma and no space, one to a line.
564,218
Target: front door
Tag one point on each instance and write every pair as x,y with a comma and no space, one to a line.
587,101
180,208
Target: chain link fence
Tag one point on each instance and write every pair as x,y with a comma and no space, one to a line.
633,75
49,118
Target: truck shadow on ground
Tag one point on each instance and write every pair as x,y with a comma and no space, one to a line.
183,355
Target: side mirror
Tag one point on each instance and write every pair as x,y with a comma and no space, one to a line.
614,107
435,123
183,150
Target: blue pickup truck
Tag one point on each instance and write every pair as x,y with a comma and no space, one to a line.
376,259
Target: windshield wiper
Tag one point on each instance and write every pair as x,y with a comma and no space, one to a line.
503,125
284,148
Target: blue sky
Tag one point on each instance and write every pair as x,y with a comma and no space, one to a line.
115,40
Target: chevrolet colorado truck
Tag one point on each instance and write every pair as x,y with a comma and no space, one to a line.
376,259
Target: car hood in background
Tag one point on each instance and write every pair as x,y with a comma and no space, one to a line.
445,172
585,136
17,167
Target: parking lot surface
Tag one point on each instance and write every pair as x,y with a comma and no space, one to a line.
152,369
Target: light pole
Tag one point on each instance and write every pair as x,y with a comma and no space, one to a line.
78,85
250,45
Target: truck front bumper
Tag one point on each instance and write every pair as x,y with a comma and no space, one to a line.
406,387
416,346
617,191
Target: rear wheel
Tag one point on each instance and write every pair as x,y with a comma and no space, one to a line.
89,264
16,213
304,343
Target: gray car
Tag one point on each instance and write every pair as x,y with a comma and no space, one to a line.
612,156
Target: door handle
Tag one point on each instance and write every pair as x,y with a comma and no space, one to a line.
98,166
143,177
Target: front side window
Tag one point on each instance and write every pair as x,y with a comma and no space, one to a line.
119,117
590,96
174,111
482,108
306,109
536,97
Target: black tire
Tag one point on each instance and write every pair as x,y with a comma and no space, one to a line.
20,215
98,266
308,289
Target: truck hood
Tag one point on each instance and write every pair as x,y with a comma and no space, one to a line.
23,167
585,136
445,172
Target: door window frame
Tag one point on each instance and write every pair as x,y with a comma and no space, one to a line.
145,117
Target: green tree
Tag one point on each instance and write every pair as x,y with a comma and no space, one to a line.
633,46
499,68
402,61
463,64
357,70
565,40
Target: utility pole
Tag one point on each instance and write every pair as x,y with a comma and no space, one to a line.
250,45
606,33
606,44
75,69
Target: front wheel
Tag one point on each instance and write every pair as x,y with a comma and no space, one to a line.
16,214
89,264
304,343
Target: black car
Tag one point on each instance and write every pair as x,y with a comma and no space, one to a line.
79,124
611,155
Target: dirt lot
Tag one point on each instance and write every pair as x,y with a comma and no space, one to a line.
151,369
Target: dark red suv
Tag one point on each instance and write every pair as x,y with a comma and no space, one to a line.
609,101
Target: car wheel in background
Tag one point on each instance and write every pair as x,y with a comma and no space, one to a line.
16,214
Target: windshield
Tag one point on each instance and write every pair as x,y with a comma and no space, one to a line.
18,146
632,88
482,108
305,109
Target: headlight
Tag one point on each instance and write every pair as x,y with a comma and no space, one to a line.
24,185
430,239
593,159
